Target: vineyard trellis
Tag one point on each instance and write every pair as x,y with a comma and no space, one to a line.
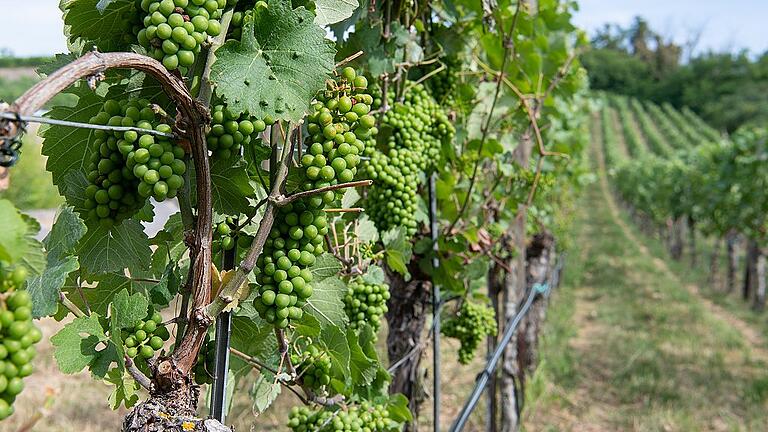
402,168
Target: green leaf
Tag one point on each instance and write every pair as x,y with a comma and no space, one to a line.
325,266
351,196
335,341
124,246
230,186
125,391
127,309
307,326
34,257
398,408
13,240
366,230
67,147
397,250
362,367
374,275
333,11
282,61
45,288
75,344
99,297
65,233
253,336
265,390
100,23
326,303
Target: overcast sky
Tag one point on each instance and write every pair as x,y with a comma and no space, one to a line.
33,27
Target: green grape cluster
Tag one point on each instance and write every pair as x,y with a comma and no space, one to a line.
282,269
470,326
206,362
146,337
444,84
126,168
18,335
365,303
418,128
313,365
230,131
339,121
174,30
338,124
363,417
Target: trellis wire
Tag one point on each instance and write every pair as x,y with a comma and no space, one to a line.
45,120
435,305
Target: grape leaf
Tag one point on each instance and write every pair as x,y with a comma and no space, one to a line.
265,391
350,197
67,147
326,302
125,391
98,298
325,266
362,368
398,250
333,11
45,287
374,275
124,246
253,336
34,257
127,309
72,350
366,230
336,345
282,61
13,241
230,186
100,23
65,233
398,408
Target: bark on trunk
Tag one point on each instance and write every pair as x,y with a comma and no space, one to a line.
676,249
714,263
406,318
539,260
513,294
759,301
730,278
495,287
692,241
750,267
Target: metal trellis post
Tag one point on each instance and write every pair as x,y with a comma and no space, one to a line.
435,305
223,332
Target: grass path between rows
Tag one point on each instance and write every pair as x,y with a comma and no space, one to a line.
628,346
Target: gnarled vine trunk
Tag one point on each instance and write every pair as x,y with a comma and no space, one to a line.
676,247
750,269
733,261
692,241
540,256
758,303
714,262
514,290
495,287
406,318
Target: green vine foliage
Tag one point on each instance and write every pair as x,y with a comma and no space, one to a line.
501,127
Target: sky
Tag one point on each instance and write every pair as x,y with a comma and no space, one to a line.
34,27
